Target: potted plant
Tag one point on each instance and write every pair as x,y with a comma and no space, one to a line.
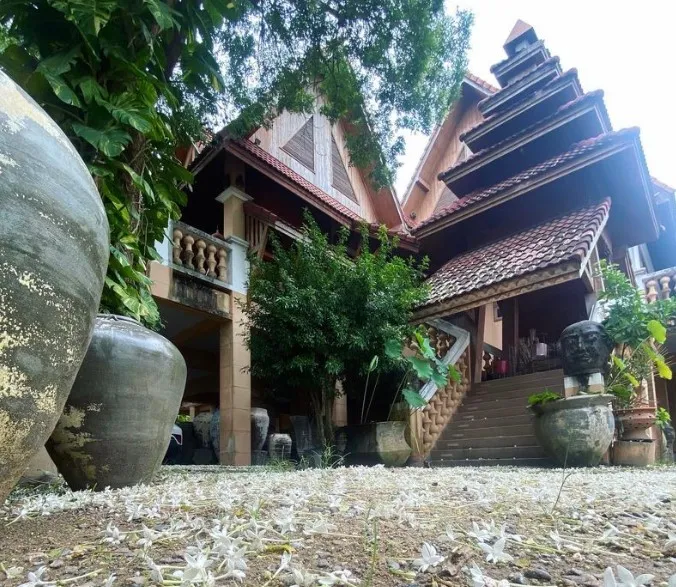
577,430
388,442
637,329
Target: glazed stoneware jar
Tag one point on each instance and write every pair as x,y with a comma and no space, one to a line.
118,419
53,259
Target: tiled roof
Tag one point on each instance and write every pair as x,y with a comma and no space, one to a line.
576,151
565,239
663,186
484,84
596,96
319,195
533,48
521,79
489,119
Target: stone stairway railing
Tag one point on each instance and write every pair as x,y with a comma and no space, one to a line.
452,344
199,253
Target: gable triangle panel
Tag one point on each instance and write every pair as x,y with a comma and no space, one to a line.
339,176
301,146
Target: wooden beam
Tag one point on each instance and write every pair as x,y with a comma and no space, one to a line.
479,346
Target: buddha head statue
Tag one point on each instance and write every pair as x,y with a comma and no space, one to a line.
585,348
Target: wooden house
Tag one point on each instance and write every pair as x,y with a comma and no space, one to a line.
521,190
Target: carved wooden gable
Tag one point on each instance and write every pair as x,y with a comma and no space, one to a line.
301,146
339,176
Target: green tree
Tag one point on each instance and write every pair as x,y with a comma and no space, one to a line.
129,81
316,315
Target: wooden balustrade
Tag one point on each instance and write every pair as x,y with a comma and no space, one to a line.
660,285
199,252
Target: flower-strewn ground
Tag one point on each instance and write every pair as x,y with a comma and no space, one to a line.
361,526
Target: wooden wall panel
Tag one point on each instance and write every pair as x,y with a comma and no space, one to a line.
286,125
450,149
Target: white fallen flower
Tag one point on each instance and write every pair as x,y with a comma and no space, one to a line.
35,579
339,577
155,571
626,578
112,534
495,553
319,526
428,558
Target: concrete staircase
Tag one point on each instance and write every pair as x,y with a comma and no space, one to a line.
493,425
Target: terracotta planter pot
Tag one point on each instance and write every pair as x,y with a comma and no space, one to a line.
377,443
634,453
53,258
576,431
633,423
117,422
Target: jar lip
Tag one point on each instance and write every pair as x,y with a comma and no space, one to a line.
117,318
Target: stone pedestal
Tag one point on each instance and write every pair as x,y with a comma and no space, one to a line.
573,385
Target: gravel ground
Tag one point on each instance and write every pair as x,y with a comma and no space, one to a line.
360,526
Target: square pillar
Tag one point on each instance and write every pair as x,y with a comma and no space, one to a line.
235,389
233,211
340,409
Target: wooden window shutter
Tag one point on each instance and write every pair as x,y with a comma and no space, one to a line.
301,146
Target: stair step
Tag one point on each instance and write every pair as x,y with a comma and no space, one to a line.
486,441
460,424
534,462
488,404
479,412
505,452
454,431
549,376
517,392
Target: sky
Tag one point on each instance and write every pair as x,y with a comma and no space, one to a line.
627,49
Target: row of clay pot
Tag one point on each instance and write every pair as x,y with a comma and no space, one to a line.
53,257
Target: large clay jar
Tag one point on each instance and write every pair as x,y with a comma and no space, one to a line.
576,431
260,421
117,422
53,258
378,443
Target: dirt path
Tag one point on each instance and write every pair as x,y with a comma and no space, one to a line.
365,527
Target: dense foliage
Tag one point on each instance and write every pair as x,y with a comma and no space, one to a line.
637,328
317,315
129,81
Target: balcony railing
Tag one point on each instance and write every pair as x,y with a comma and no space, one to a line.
200,254
660,285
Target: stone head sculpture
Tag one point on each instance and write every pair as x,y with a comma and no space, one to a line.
585,348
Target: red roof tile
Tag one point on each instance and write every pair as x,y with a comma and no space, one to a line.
565,239
484,84
596,96
576,151
319,195
489,119
521,79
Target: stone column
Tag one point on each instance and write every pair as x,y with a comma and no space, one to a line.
233,211
235,389
340,411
